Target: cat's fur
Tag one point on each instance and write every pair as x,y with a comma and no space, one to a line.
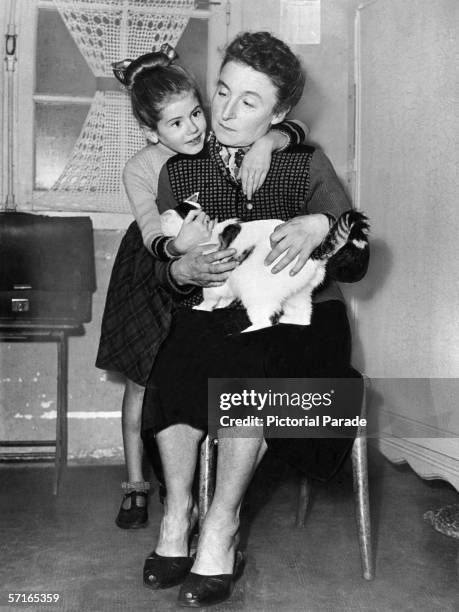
268,297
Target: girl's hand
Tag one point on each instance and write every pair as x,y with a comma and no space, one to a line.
257,161
196,229
255,166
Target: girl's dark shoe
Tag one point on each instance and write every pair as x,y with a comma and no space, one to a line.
133,512
200,591
165,572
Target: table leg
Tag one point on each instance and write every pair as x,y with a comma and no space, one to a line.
61,412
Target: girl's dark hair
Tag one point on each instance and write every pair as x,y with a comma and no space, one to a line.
266,53
152,79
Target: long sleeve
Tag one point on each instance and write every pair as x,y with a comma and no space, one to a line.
295,130
327,196
140,178
166,200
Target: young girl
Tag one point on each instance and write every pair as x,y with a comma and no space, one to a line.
167,104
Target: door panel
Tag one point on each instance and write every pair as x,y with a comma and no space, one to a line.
407,306
407,143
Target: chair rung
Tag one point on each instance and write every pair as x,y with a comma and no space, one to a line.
22,443
18,457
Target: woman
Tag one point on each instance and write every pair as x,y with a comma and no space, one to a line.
260,80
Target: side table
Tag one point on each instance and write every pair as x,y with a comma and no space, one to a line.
46,331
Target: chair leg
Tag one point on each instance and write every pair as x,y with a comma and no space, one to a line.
362,505
304,495
206,477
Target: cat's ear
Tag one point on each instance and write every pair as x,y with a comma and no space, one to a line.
228,235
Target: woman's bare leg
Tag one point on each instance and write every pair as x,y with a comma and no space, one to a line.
237,460
178,447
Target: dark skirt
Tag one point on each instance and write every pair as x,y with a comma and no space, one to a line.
137,312
203,345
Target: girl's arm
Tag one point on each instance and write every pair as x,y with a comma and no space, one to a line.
257,160
140,179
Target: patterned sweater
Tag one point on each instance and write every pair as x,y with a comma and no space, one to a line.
301,181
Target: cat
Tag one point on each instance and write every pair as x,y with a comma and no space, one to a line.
276,298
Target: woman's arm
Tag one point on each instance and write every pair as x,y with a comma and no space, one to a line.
325,202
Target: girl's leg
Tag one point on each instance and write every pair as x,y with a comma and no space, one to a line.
237,460
133,512
178,447
130,422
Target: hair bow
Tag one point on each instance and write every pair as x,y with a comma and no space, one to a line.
119,69
169,51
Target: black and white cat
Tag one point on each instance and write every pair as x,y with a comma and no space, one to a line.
268,297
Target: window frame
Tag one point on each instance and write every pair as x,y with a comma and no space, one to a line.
26,197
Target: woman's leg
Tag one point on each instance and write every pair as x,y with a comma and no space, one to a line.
178,447
237,460
130,422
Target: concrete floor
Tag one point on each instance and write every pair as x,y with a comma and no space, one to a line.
71,545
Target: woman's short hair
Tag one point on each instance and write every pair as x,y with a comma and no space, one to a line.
152,80
265,53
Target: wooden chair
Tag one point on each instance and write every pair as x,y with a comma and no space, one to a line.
360,481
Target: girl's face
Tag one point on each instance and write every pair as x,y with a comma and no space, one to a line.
182,125
243,105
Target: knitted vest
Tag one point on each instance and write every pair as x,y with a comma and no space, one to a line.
282,195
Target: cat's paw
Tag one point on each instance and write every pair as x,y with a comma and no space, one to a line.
252,328
206,306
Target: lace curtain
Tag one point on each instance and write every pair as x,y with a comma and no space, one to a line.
106,31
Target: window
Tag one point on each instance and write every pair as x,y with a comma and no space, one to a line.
54,89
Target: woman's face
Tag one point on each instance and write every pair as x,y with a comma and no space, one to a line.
182,125
243,105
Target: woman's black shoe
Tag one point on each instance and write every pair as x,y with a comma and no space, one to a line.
136,515
200,591
164,572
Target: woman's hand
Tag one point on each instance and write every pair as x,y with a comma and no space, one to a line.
204,269
297,238
196,229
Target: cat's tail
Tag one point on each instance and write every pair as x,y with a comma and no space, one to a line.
345,247
351,230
